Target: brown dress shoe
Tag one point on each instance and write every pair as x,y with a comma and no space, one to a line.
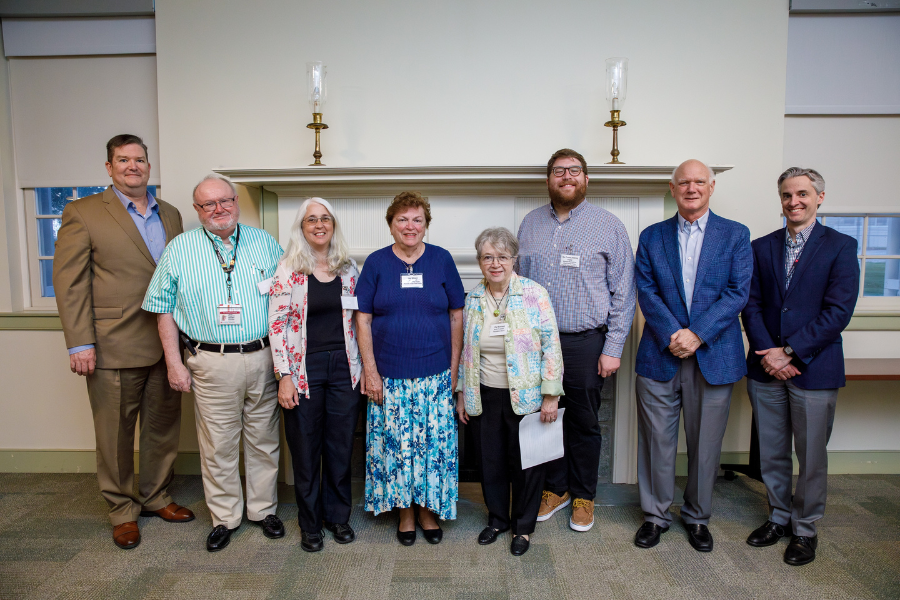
127,535
171,513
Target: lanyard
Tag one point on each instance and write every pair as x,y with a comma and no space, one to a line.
227,269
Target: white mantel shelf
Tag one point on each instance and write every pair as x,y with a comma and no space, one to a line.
465,180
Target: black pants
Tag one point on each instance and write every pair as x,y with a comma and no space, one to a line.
319,433
496,435
576,472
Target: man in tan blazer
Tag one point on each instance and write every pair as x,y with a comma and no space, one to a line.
106,252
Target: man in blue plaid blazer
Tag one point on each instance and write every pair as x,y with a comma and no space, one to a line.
693,279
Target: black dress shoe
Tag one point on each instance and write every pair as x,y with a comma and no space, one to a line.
218,538
489,535
519,545
407,538
700,537
272,527
767,534
311,542
648,534
801,550
343,533
432,536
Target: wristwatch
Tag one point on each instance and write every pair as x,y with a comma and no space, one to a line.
278,376
788,350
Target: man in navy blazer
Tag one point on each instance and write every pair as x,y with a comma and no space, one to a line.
804,288
693,277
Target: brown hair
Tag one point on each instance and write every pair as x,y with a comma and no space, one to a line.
567,153
405,200
123,139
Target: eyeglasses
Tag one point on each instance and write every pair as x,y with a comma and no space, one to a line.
573,171
503,260
225,203
311,221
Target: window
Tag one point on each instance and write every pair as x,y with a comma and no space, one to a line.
44,208
878,248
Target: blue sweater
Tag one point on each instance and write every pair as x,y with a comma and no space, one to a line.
410,326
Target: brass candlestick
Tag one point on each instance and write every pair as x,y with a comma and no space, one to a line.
615,123
318,125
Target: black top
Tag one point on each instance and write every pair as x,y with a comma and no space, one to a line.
324,323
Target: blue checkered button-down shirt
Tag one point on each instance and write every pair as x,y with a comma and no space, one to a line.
792,251
600,291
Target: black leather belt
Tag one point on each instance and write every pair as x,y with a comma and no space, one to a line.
232,348
587,332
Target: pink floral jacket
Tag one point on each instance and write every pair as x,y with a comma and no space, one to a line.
287,324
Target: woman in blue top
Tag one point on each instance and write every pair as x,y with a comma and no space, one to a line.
409,324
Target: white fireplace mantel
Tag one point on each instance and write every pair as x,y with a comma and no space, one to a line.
527,180
465,200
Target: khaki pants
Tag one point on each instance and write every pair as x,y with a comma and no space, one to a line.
237,393
118,396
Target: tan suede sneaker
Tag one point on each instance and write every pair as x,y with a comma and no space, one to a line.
550,503
582,515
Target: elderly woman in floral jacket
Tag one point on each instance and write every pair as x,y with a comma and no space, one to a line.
511,366
318,367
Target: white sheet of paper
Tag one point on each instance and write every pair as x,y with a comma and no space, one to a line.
265,286
349,303
540,442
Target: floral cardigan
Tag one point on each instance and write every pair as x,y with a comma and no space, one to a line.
287,324
533,354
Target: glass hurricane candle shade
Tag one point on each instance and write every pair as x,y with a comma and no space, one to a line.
315,84
616,82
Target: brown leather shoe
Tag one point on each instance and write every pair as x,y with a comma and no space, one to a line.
127,535
171,513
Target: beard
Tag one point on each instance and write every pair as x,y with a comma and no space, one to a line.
215,227
578,194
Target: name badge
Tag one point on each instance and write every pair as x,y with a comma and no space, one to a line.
411,280
570,260
349,303
229,314
265,286
499,329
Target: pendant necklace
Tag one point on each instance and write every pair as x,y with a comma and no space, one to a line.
498,303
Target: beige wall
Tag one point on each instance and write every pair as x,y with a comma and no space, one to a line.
45,406
472,83
855,154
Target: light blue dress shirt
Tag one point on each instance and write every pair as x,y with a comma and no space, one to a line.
690,243
151,229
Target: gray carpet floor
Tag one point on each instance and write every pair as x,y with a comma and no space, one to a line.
55,542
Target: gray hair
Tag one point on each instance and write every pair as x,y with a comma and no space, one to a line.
217,177
815,178
500,238
299,256
712,174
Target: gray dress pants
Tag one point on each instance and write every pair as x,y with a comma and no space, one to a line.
782,410
659,405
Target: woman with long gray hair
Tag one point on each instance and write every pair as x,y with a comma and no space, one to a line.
318,365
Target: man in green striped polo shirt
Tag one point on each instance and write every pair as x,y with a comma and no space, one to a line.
211,289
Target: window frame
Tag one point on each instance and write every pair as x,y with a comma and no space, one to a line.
867,304
34,258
